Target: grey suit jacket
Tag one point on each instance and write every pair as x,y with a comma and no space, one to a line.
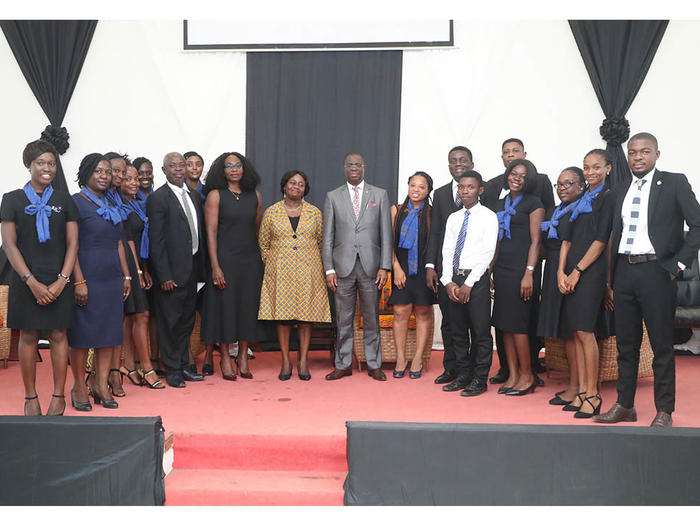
370,236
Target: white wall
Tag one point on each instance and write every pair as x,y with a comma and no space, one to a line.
140,93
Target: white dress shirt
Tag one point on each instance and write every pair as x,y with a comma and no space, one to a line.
642,243
479,243
186,201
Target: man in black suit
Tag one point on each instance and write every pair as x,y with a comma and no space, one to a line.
446,201
647,252
176,235
513,149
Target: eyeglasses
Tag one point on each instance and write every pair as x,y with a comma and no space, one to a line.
300,184
229,166
101,171
564,185
42,163
354,165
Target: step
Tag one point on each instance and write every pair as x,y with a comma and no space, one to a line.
260,452
257,488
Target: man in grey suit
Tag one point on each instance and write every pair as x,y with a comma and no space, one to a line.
357,253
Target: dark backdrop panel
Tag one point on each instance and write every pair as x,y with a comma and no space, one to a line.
305,110
470,464
81,461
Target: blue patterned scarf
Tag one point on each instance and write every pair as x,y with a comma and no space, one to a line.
550,226
409,236
585,203
116,200
505,215
141,212
104,210
40,208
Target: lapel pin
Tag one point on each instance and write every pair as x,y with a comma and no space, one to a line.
658,183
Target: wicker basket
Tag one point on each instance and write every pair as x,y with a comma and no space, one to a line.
555,357
196,345
5,333
386,338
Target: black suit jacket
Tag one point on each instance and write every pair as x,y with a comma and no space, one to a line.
443,206
493,187
671,202
170,251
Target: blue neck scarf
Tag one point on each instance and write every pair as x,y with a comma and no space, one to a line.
116,200
584,204
104,210
141,212
505,215
409,236
141,196
550,226
200,187
40,208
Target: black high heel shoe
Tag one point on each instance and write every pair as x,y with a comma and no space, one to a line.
415,375
570,408
32,398
398,374
208,369
596,410
64,405
244,375
503,389
81,407
285,377
111,388
528,390
107,403
303,377
128,374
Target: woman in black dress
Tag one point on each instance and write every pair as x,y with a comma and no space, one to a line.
570,187
583,272
408,290
40,239
136,307
519,218
102,282
232,212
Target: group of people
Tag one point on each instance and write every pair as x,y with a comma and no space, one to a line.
165,253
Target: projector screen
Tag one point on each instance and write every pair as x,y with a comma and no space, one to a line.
280,35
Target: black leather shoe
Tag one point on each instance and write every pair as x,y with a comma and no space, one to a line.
538,381
188,375
528,390
460,383
558,401
445,377
662,419
500,377
191,368
617,414
503,389
82,407
207,369
475,388
175,379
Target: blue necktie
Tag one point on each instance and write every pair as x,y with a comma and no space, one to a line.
460,241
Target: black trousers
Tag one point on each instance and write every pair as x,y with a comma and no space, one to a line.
175,320
449,359
645,291
470,326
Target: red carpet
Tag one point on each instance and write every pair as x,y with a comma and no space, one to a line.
267,442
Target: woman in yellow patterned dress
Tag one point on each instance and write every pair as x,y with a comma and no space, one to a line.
294,286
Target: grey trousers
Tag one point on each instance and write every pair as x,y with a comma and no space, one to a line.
345,295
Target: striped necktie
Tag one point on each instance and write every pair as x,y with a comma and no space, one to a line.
458,201
634,216
460,241
190,221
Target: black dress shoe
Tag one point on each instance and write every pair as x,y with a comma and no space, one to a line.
175,379
458,384
82,407
207,369
662,419
445,377
558,401
500,377
617,414
191,368
188,375
475,388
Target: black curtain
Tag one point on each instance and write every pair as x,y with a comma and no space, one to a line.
617,55
305,110
50,54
